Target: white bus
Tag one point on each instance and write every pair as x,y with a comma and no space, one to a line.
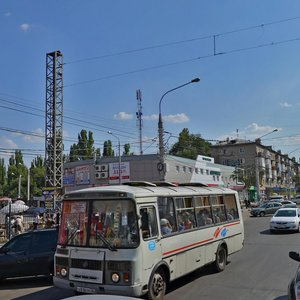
133,239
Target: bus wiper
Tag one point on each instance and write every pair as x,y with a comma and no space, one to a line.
72,235
105,241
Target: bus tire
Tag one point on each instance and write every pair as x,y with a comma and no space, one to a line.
221,259
157,285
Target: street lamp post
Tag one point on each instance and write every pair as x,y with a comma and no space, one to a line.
161,128
19,187
257,164
28,185
119,150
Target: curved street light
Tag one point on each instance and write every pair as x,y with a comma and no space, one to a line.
160,123
275,130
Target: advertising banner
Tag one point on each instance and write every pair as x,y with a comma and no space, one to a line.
69,176
114,172
82,175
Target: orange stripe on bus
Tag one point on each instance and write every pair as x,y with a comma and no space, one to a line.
198,243
188,246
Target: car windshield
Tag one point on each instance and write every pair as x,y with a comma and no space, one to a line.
263,206
286,213
108,224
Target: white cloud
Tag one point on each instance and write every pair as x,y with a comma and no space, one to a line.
123,116
8,146
285,104
151,117
252,132
25,27
178,118
7,143
38,138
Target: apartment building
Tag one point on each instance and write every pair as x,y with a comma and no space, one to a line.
268,170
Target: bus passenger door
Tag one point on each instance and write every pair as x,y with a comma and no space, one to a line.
150,242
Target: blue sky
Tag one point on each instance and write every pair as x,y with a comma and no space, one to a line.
250,75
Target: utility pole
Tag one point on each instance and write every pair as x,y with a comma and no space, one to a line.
139,118
54,121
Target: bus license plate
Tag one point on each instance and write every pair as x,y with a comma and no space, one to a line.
85,290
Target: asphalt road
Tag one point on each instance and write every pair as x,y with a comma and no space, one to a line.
261,271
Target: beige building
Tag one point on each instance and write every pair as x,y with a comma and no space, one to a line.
268,170
106,170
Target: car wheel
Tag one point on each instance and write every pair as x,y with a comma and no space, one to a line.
221,259
262,214
157,286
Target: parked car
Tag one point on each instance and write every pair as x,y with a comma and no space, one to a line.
276,198
29,254
265,209
294,205
285,219
294,285
296,199
288,203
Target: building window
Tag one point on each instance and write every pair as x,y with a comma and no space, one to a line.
201,170
242,150
197,170
191,170
184,169
177,169
207,172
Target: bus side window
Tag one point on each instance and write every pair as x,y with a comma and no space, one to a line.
149,222
231,207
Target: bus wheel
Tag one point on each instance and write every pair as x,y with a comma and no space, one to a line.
157,286
221,259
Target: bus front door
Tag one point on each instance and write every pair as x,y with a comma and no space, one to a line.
151,245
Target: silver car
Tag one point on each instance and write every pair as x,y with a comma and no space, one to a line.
285,219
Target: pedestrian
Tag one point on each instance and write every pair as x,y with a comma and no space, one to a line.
18,225
36,222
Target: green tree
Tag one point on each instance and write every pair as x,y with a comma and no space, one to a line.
3,178
16,171
126,149
190,145
37,174
84,149
107,149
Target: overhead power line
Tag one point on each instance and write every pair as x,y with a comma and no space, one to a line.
263,25
184,61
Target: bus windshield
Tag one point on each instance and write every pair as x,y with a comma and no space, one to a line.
108,224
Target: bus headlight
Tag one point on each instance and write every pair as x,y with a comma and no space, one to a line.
115,277
63,272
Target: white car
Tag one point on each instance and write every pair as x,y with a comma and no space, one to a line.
285,219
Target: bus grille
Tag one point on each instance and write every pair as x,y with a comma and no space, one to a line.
86,264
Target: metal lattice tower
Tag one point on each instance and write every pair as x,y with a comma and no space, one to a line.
139,118
54,120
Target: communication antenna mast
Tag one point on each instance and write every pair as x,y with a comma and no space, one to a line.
139,118
54,121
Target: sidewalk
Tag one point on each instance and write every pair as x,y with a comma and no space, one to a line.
246,213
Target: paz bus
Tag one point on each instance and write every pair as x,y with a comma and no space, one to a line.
133,239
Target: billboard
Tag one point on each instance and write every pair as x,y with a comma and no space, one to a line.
82,175
114,172
69,176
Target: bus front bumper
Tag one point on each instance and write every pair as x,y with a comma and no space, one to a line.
83,287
